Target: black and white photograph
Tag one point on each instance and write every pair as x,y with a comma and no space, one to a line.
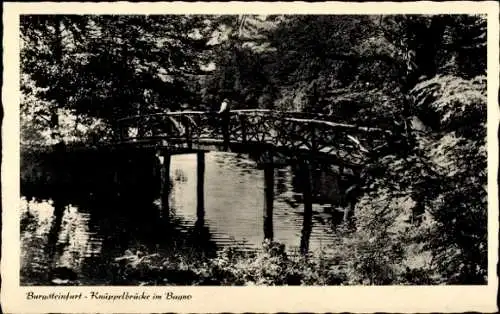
253,150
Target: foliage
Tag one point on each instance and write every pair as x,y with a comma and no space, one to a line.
109,67
458,103
443,218
458,156
271,265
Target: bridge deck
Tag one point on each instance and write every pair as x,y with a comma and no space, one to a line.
175,146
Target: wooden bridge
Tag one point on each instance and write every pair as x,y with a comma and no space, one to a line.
293,134
275,137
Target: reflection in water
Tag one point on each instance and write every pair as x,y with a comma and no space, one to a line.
54,237
235,198
82,232
305,174
268,201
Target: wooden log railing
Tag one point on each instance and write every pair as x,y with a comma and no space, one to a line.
289,130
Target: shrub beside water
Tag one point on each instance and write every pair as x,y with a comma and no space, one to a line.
271,265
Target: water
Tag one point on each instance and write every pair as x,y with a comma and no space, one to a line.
81,228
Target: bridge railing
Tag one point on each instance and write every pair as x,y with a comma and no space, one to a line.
293,130
193,123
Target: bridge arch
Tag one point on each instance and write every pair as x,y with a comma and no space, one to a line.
292,134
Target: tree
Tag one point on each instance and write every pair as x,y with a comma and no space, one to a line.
110,67
46,40
241,58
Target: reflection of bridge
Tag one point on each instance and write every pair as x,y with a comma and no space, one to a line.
273,136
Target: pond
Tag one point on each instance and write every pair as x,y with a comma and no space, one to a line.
82,224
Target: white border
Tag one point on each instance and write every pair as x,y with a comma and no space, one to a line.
242,299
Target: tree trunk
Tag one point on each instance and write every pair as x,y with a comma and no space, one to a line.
58,59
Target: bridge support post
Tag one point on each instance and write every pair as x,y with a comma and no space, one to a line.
165,184
348,211
350,196
307,197
200,187
226,118
268,200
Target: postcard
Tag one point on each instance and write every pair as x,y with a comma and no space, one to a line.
250,157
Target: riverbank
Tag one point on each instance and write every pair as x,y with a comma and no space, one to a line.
270,265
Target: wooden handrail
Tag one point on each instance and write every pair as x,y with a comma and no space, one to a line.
331,124
208,113
340,125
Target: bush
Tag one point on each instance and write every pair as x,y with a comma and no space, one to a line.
271,265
